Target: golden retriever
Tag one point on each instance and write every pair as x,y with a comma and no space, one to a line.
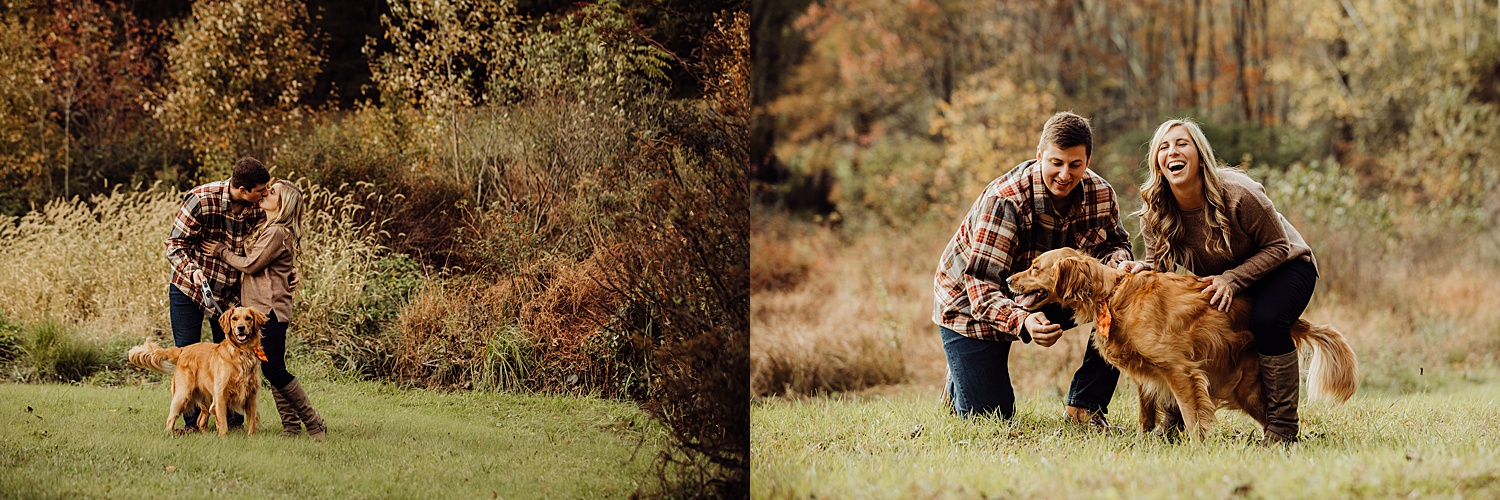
1188,358
216,378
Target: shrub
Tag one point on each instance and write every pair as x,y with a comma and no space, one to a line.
237,72
25,133
54,351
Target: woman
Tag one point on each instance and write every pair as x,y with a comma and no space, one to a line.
1217,222
272,251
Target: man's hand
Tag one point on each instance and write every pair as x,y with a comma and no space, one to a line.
197,277
1220,290
1044,332
1131,266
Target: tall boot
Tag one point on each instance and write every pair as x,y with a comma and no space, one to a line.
291,424
1279,382
305,412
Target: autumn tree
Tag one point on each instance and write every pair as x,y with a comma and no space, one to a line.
27,139
101,65
238,70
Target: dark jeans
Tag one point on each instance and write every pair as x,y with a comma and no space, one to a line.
273,342
1280,297
187,329
979,373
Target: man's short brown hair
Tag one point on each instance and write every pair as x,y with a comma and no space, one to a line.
1068,130
249,173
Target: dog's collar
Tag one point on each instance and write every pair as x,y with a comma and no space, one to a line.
1103,320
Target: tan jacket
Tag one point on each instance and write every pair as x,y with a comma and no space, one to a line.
266,285
1260,239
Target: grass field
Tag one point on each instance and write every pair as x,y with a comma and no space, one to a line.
70,441
902,443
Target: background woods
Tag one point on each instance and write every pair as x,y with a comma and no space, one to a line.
1371,122
519,196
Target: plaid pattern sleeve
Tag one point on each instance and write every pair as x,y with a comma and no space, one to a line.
1002,232
969,294
207,215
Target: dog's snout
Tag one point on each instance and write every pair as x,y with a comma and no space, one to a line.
1007,281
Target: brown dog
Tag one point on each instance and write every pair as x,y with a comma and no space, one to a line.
1188,359
216,378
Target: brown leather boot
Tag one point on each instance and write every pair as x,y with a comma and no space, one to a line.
291,425
1279,383
305,412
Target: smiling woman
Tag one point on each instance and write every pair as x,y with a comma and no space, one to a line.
1219,224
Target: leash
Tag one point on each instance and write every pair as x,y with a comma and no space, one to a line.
211,305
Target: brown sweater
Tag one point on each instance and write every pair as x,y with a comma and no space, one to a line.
1260,239
268,273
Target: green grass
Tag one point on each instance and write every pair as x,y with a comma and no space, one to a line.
383,442
1440,443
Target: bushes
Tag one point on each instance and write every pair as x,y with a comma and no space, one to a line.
52,350
239,69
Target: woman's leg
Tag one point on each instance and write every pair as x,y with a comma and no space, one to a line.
1280,297
978,375
273,342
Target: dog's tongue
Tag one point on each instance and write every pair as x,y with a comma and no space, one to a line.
1026,300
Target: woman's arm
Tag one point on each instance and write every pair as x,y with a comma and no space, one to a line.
267,248
1258,219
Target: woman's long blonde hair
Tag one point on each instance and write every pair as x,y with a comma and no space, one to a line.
290,218
1159,208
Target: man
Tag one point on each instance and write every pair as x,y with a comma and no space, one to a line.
225,211
1049,202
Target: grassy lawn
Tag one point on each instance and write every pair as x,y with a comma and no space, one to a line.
383,442
904,444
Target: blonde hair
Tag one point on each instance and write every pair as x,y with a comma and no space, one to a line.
1159,208
290,218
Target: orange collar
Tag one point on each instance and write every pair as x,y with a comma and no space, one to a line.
1102,322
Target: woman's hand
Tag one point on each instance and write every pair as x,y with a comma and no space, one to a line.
1221,291
211,247
1131,266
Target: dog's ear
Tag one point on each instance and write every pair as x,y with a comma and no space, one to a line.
1075,280
257,319
225,318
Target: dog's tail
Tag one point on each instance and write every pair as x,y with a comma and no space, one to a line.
153,357
1333,375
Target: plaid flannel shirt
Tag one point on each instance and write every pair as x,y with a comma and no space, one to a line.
207,215
1008,226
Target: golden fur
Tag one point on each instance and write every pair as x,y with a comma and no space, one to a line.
216,378
1188,359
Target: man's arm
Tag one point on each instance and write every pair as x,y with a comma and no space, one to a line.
992,240
182,241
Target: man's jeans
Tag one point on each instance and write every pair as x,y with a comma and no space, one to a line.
187,329
979,374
